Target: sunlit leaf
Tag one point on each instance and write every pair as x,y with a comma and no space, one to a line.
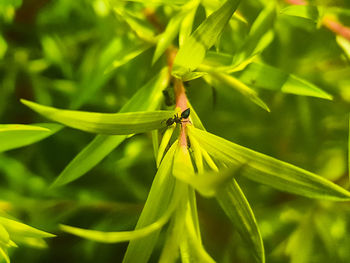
193,51
18,230
120,236
158,200
17,135
141,27
164,143
4,236
194,250
105,123
344,44
169,34
268,170
259,37
237,208
146,98
206,183
121,53
226,80
304,11
187,22
267,77
4,254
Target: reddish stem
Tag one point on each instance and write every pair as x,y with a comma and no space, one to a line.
181,102
337,28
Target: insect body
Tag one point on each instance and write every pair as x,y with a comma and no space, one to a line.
177,119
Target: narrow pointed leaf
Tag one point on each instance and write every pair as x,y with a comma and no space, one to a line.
192,249
259,37
91,155
142,28
125,55
344,44
168,35
18,135
105,123
164,143
304,11
193,51
4,254
208,183
18,230
229,81
237,208
270,171
158,200
4,236
187,23
267,77
121,236
147,98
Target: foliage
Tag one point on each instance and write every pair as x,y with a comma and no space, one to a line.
135,169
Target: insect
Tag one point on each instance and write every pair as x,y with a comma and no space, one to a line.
177,119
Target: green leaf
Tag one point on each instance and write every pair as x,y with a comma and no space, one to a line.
300,243
105,123
260,35
122,53
18,135
192,53
235,205
142,28
234,83
4,236
164,143
90,156
19,230
187,23
192,249
268,77
122,236
4,254
146,98
170,33
206,183
344,44
158,200
304,11
268,170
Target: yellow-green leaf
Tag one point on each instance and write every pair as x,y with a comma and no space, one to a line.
146,98
18,230
18,135
268,170
235,205
105,123
158,200
192,52
267,77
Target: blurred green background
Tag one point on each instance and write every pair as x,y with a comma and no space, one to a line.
56,53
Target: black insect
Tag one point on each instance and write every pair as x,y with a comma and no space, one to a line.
179,120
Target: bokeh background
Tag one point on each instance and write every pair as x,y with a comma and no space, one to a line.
57,53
